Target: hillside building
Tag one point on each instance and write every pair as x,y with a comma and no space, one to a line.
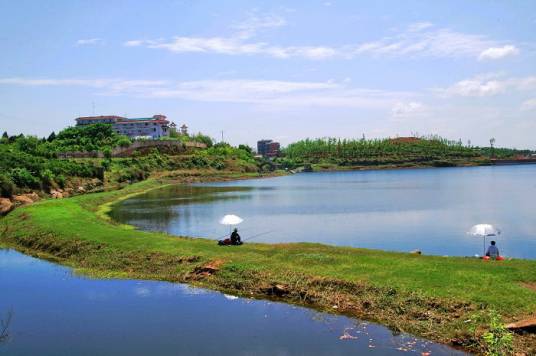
151,127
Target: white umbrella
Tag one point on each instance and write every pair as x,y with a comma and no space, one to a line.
484,230
231,220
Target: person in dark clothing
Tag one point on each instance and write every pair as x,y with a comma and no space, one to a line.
235,238
493,251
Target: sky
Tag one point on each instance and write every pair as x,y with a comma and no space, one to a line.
283,70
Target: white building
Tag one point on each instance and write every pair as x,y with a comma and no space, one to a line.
152,127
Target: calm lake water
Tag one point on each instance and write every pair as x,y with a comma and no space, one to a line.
57,313
400,210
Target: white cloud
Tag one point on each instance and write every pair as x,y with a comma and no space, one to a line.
529,104
233,46
489,85
133,43
269,93
419,26
418,40
423,39
89,42
475,87
498,52
255,23
405,109
110,86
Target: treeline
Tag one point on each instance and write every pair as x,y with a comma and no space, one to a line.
503,153
348,152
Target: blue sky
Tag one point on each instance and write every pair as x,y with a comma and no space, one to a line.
282,70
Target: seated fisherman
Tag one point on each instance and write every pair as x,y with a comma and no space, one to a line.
493,251
235,238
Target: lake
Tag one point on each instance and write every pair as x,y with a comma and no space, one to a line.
398,210
57,313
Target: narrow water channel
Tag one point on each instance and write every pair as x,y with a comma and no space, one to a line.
54,312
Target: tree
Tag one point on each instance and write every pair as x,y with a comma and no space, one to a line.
6,186
203,139
5,135
245,148
52,137
492,143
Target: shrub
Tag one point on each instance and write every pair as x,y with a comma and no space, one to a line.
107,151
60,180
47,178
498,339
203,139
124,141
23,178
6,186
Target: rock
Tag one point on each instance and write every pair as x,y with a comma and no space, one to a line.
33,196
5,206
208,269
276,289
526,324
56,194
81,190
22,199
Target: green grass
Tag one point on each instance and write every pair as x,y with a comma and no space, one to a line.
426,295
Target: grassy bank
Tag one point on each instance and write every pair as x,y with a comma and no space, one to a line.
443,299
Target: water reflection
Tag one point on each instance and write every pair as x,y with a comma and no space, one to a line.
58,313
426,209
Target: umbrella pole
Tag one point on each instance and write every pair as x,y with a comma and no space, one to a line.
484,253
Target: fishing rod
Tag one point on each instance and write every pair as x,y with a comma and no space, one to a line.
227,234
258,235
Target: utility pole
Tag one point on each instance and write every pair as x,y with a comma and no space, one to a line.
492,143
221,136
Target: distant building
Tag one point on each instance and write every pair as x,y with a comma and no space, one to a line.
108,119
184,130
268,148
151,127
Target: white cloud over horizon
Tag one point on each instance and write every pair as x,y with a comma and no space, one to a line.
499,52
489,85
89,42
267,93
421,39
529,105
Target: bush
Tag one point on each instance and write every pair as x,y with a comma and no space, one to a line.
124,141
107,151
23,178
7,188
498,339
60,180
47,179
203,139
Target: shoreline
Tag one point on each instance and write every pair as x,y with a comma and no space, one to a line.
340,280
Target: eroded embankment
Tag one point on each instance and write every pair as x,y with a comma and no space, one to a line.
445,300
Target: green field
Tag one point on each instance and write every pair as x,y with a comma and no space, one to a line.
445,299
